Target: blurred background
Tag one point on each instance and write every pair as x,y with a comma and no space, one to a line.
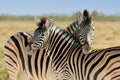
18,15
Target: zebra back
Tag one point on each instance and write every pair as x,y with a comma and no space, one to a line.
103,64
14,53
37,66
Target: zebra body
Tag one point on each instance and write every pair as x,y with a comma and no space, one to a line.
101,64
35,66
98,65
40,65
72,64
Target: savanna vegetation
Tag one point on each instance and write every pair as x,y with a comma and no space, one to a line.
107,31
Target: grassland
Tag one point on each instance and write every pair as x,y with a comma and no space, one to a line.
107,34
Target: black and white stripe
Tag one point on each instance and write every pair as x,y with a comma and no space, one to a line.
36,66
70,63
98,65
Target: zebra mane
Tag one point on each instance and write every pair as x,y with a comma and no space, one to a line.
42,21
60,31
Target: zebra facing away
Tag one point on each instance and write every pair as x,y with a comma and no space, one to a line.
18,59
70,63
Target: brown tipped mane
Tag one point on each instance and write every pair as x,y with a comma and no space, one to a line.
43,21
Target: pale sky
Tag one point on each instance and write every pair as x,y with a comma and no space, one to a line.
40,7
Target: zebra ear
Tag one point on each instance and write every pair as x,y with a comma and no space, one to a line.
37,21
94,15
78,16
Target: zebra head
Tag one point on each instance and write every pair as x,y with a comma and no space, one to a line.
42,32
84,34
40,35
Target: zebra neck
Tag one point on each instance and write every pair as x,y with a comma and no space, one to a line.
60,40
72,27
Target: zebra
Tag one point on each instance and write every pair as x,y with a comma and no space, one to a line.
79,30
71,63
61,45
19,60
45,63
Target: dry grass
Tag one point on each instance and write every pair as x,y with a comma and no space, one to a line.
107,34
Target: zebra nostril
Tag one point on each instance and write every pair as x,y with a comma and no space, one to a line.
43,34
